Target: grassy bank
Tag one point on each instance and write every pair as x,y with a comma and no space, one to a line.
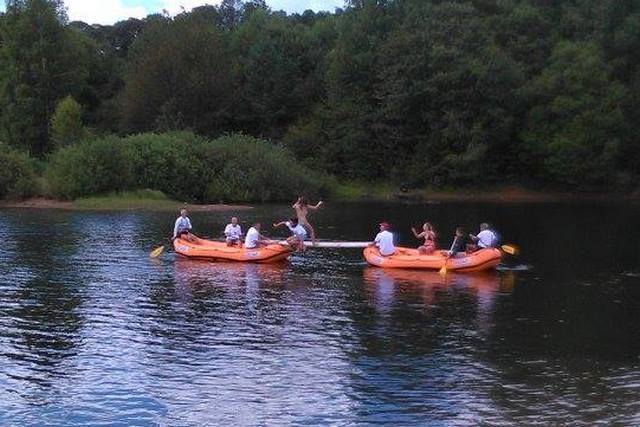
356,190
142,199
149,200
363,191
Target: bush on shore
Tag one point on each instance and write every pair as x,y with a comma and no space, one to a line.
234,168
17,174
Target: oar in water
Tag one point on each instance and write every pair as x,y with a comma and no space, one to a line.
443,270
157,251
510,249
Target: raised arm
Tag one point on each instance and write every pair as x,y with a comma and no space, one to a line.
279,224
415,233
316,206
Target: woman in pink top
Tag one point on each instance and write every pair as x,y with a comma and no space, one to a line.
429,235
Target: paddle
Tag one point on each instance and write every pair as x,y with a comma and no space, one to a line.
443,270
510,249
156,252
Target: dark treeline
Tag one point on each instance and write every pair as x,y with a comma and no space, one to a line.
419,92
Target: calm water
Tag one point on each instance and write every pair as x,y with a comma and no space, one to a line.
94,332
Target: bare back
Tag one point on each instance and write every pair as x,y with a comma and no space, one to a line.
301,212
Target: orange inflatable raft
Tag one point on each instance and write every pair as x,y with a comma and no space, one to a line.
483,259
219,251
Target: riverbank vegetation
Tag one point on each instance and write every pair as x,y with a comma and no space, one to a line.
183,166
238,102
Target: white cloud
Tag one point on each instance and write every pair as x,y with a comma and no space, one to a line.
299,6
110,11
175,6
102,11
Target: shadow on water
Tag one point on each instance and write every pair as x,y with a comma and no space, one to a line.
207,295
570,351
40,306
418,332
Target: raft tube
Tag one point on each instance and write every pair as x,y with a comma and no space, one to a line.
219,251
484,259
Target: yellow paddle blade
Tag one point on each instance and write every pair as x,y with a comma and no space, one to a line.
156,252
443,270
510,249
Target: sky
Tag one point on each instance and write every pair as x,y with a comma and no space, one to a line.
110,11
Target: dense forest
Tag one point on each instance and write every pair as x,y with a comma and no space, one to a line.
413,92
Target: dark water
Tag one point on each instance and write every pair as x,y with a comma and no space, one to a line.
94,332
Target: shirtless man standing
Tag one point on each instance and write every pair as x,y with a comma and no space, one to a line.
302,210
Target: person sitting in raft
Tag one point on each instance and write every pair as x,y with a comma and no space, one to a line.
384,240
429,235
254,239
298,233
459,243
233,233
486,238
182,226
302,210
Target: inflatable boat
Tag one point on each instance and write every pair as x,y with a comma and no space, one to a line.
483,259
219,251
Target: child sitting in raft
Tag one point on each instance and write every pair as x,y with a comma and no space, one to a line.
459,243
233,233
429,235
298,233
384,240
254,239
486,238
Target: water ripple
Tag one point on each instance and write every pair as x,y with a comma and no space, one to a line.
93,332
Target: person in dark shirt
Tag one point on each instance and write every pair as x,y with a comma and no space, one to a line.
460,241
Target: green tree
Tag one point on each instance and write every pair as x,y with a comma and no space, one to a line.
39,63
576,124
179,76
66,122
276,73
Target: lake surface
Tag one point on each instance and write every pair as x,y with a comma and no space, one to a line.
94,332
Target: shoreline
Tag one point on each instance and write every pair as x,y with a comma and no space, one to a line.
141,204
509,195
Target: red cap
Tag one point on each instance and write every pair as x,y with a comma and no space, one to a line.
384,224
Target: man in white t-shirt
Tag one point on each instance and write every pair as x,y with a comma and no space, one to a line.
182,227
254,239
384,240
233,232
486,238
298,233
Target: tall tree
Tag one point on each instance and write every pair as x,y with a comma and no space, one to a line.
179,76
39,64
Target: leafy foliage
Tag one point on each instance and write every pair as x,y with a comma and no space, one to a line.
183,166
66,123
17,175
419,92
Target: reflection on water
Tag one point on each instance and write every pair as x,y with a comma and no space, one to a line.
94,332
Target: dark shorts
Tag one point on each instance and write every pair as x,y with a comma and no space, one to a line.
181,232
